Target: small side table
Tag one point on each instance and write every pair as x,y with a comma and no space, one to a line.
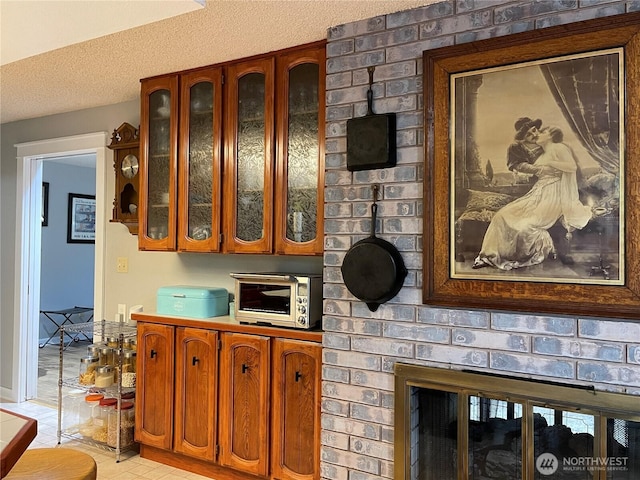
67,316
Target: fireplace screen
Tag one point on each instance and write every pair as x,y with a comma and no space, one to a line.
481,427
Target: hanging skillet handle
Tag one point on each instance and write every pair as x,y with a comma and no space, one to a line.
374,209
370,91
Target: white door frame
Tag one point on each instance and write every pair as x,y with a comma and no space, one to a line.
28,244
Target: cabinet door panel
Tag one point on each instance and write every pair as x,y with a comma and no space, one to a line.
158,164
196,375
296,409
244,403
249,145
200,170
154,396
299,178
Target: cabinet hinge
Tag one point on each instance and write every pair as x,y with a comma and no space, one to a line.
217,453
219,344
221,238
223,79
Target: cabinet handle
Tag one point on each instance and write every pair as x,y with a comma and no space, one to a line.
153,353
244,368
194,360
298,376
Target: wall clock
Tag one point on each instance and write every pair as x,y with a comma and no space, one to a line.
125,143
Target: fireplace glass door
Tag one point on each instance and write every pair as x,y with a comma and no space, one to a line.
506,429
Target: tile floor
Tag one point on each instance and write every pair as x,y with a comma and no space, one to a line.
44,409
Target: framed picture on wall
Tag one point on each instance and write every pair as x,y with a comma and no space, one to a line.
530,200
81,220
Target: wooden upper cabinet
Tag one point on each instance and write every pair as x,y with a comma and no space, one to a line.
244,403
295,434
196,392
158,163
249,180
249,156
199,161
154,392
299,203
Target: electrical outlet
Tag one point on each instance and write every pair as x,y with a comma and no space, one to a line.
122,265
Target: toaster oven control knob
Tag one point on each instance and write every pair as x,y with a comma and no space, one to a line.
302,320
302,309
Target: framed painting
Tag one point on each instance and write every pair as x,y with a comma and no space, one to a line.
529,201
81,220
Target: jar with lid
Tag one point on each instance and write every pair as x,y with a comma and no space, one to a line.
127,343
105,356
129,368
126,427
113,342
93,350
88,366
91,402
129,397
100,419
104,376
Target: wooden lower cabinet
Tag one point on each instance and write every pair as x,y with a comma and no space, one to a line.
154,386
244,402
229,405
295,412
196,392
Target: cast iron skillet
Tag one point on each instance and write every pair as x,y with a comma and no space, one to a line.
373,269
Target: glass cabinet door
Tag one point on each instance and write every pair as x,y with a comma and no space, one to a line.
199,161
249,157
300,165
158,152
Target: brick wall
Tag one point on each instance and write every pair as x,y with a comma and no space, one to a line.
361,347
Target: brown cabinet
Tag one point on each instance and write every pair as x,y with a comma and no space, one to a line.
158,163
154,389
196,392
295,409
244,403
274,151
269,147
180,162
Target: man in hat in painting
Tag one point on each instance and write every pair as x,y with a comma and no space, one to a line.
522,154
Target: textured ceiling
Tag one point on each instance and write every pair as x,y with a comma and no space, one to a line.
107,70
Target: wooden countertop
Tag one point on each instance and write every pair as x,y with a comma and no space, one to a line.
228,324
16,434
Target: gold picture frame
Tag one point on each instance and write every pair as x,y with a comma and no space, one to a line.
465,196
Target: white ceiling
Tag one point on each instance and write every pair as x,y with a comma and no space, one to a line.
61,55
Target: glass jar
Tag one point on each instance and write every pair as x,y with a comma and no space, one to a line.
106,356
91,402
126,427
88,366
113,342
129,369
129,361
73,403
93,350
129,397
126,344
104,376
100,419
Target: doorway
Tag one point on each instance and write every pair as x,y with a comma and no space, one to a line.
28,247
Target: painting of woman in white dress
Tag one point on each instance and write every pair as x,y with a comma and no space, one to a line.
537,171
518,235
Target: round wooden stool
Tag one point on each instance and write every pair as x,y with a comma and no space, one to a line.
54,464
